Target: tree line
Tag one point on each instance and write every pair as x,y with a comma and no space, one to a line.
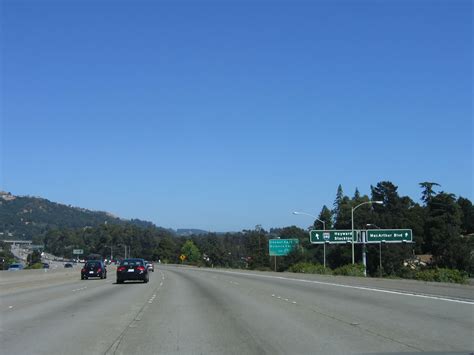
442,226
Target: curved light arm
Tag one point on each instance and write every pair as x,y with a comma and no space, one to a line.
365,203
316,218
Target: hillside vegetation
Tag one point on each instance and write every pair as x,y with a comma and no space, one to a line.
25,217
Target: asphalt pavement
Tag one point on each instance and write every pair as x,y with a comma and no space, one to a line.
185,310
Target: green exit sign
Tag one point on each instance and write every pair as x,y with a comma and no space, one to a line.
282,247
331,236
389,235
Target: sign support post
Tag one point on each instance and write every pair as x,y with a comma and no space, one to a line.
380,258
364,237
324,254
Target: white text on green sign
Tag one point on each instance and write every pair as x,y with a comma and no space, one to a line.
330,236
389,235
281,247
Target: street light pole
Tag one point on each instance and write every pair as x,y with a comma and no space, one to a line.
125,250
364,256
324,228
111,251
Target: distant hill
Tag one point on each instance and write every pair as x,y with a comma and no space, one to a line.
23,217
188,232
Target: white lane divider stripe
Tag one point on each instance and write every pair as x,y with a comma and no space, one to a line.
364,288
152,299
79,289
283,299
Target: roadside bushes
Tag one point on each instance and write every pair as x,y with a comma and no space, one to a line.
442,275
350,270
346,270
433,275
35,266
309,268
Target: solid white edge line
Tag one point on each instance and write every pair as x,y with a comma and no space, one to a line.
364,288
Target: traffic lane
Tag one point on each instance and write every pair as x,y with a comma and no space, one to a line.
34,296
20,301
26,280
451,290
417,323
9,280
89,321
198,312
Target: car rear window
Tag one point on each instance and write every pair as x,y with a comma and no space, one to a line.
92,264
132,263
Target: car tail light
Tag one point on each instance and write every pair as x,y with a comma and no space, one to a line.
99,270
140,268
83,270
121,268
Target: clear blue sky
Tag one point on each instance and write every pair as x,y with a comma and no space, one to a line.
222,115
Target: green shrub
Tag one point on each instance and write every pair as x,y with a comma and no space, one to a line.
406,273
425,275
309,268
35,266
442,275
350,270
452,275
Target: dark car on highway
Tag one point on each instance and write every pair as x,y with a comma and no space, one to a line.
94,268
132,269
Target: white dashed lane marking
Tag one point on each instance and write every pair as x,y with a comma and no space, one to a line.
79,289
284,299
152,299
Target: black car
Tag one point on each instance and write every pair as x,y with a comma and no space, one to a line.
45,266
68,265
132,269
94,268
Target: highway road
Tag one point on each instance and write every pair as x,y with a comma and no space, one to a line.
185,310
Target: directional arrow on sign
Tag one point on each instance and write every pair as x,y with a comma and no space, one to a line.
330,236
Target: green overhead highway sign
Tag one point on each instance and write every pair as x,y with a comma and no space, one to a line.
331,236
78,251
281,247
389,235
